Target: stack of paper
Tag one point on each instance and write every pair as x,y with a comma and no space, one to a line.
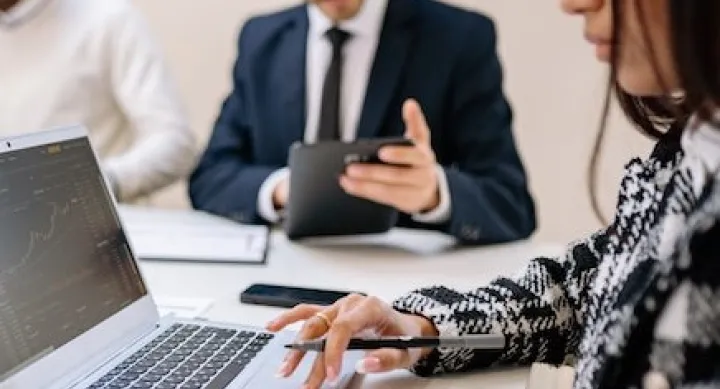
184,308
184,235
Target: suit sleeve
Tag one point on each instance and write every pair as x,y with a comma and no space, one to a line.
541,312
227,181
489,194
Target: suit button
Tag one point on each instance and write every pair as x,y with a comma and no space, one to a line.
655,380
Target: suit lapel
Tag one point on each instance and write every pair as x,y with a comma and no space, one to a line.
390,60
291,64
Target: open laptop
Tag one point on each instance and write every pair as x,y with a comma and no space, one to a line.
74,309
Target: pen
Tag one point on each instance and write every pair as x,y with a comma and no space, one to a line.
488,342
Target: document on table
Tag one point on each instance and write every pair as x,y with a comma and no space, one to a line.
184,235
182,307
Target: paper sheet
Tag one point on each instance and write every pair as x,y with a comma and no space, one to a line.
184,308
181,235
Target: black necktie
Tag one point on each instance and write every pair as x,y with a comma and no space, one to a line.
330,110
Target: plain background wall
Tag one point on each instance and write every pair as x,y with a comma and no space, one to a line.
552,79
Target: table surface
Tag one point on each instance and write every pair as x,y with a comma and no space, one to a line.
386,266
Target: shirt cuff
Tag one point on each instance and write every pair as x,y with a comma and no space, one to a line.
441,214
266,206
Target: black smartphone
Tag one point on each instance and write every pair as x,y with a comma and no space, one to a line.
288,297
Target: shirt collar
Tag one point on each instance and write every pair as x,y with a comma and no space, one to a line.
21,12
368,22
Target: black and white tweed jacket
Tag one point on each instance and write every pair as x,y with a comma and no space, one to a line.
638,299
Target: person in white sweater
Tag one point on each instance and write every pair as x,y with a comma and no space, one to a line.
95,63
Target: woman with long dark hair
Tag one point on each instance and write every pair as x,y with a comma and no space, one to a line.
638,303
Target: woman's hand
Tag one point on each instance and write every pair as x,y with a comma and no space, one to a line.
349,317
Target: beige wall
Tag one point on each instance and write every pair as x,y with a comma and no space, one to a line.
553,81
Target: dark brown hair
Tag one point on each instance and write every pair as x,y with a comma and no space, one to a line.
695,45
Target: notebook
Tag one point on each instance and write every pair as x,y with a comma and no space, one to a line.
187,235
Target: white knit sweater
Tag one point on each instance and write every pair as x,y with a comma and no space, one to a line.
93,62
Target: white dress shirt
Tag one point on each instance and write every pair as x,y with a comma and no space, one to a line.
93,62
359,56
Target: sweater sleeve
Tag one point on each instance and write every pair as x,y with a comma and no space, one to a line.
164,149
540,312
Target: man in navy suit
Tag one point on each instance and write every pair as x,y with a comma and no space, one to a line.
348,69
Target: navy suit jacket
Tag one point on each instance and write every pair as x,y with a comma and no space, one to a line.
442,56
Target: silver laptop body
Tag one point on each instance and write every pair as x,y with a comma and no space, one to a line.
74,308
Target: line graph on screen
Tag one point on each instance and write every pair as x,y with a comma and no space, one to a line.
39,241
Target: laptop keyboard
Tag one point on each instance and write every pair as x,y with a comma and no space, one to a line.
187,357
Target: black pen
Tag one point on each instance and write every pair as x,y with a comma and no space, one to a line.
487,342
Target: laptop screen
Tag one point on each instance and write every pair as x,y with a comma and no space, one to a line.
65,265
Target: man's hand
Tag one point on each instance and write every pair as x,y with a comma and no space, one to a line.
412,188
281,193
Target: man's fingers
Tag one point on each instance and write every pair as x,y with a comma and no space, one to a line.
299,313
393,196
419,155
382,361
416,127
389,175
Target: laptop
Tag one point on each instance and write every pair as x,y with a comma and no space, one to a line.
75,311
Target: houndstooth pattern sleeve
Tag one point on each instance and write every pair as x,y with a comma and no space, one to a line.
540,312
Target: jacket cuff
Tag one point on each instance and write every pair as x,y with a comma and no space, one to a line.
439,359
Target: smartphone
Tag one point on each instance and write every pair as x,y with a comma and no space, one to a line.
288,297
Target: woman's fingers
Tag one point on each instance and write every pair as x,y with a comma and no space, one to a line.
339,322
382,361
303,312
317,374
368,314
299,313
314,327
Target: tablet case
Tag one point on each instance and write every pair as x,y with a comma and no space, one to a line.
318,206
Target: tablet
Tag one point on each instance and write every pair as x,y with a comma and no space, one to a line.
318,206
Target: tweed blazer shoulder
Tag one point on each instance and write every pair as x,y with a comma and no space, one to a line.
637,300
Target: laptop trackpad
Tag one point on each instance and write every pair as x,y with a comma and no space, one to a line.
265,377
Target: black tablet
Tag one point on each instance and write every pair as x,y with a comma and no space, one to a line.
318,206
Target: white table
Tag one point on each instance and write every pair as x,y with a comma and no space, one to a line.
386,266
